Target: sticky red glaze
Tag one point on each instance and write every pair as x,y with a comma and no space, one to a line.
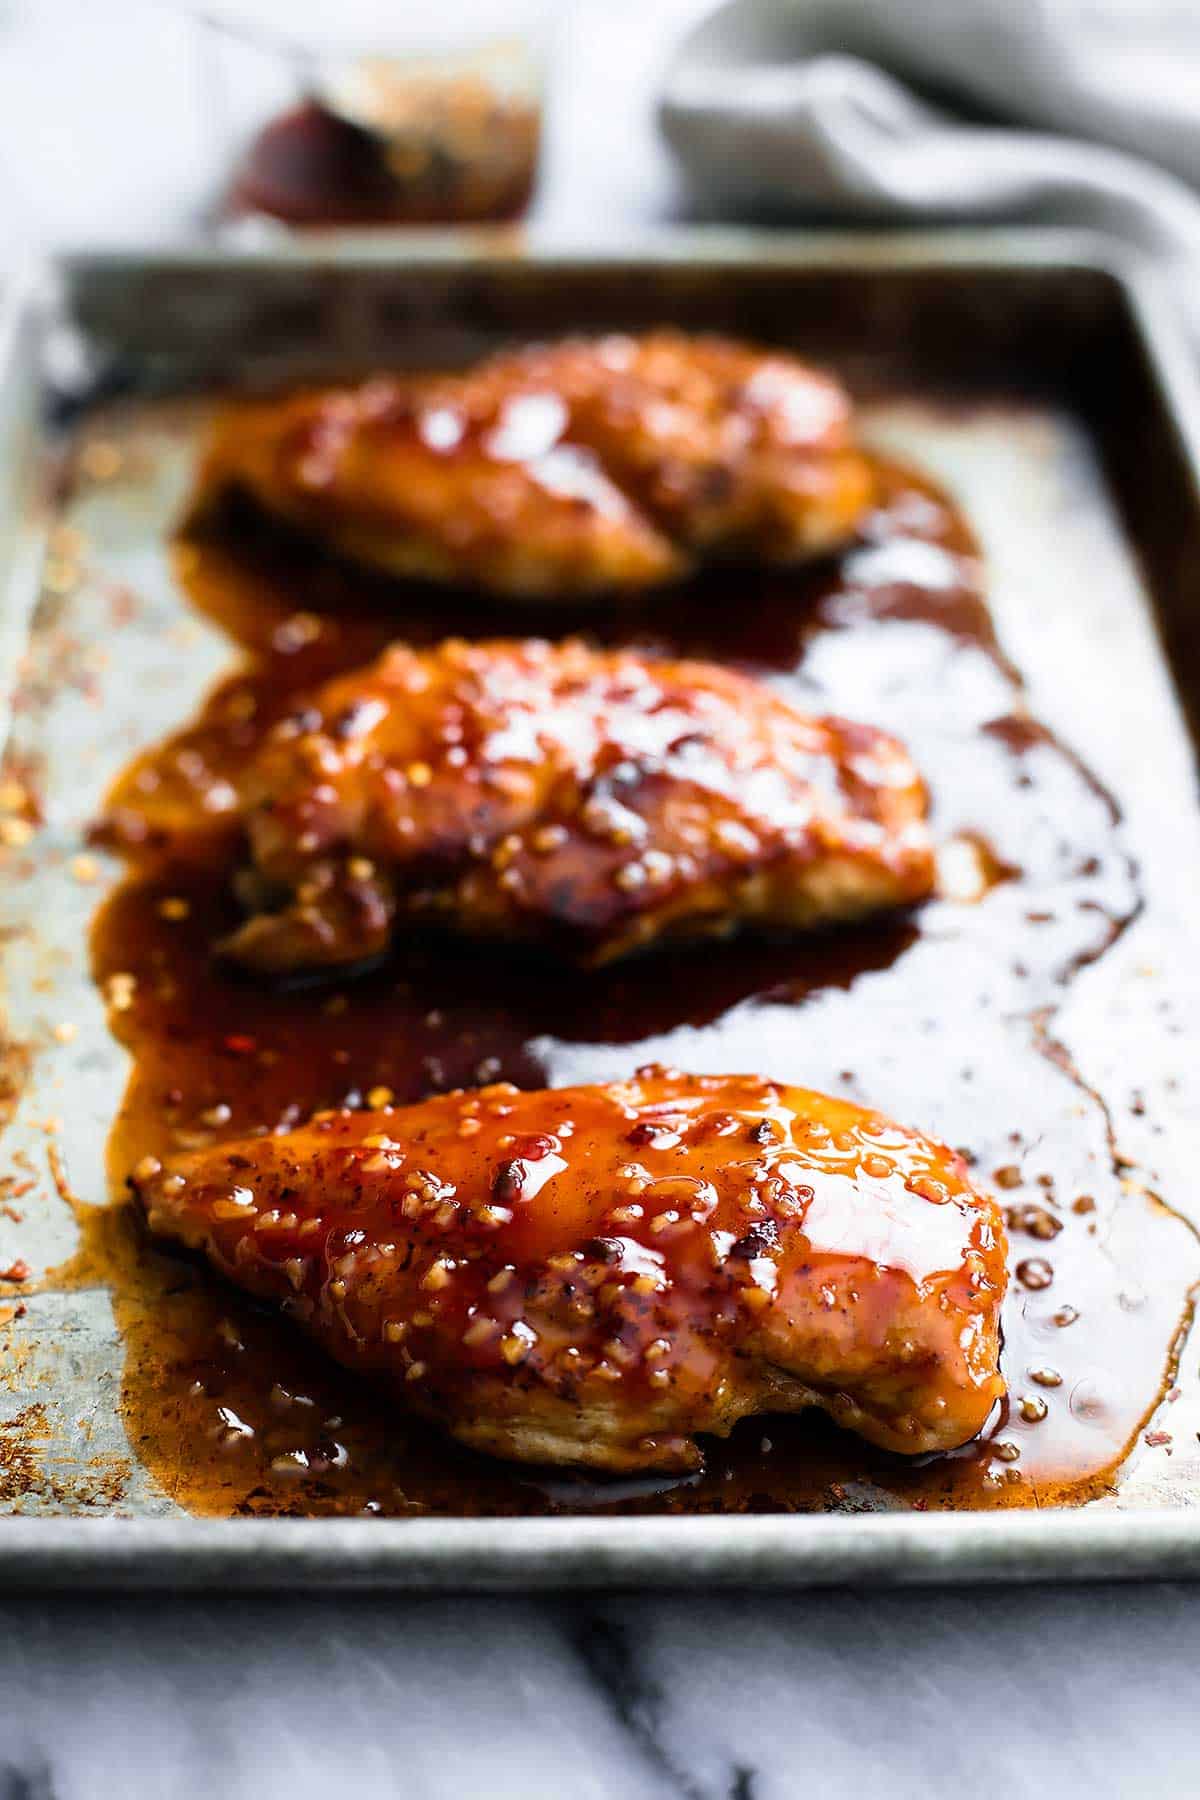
592,1275
595,801
589,465
311,167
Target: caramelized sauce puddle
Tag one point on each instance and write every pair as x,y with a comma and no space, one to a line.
938,1018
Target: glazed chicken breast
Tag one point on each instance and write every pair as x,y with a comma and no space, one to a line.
594,1275
582,467
592,801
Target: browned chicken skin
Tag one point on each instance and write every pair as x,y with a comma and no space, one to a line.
592,801
593,1275
591,465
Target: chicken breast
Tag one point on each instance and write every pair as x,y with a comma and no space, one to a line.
581,467
594,1275
592,801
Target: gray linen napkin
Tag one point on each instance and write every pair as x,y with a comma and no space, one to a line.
786,108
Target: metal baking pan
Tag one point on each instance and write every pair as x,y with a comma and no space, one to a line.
1036,373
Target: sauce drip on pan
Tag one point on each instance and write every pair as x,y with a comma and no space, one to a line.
940,1018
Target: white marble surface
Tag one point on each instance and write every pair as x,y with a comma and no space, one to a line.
1032,1692
1038,1691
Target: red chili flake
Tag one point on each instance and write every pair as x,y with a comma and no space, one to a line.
762,1236
1159,1439
605,1250
240,1045
534,1146
17,1270
508,1182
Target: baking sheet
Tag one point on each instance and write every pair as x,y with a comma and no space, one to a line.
1083,598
